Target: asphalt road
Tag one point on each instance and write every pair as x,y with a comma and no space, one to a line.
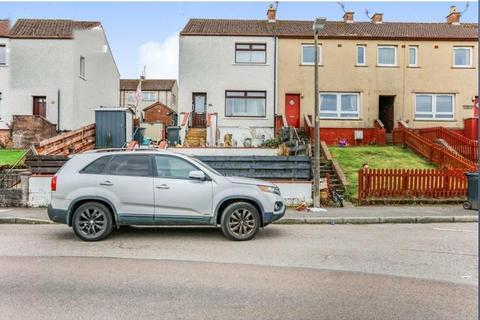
287,272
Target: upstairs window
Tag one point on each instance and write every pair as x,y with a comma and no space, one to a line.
413,56
361,55
3,55
82,67
339,105
462,57
251,53
308,54
149,96
387,56
245,103
434,106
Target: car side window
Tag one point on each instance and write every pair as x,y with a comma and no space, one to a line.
173,167
131,165
97,166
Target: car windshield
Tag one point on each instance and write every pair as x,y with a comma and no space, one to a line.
205,165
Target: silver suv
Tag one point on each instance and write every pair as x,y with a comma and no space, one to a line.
102,189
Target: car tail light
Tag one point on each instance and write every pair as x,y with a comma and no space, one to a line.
53,184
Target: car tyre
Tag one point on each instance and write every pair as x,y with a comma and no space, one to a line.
467,205
240,221
92,221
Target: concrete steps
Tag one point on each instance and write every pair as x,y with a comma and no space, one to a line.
196,137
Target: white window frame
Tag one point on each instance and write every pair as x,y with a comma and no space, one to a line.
387,64
434,107
150,94
319,54
364,46
416,56
470,64
4,45
339,106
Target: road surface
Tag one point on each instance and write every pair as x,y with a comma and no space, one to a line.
426,271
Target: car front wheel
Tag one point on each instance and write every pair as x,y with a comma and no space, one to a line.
240,221
92,221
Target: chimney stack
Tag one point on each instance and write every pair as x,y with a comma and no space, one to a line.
348,17
271,13
454,16
377,18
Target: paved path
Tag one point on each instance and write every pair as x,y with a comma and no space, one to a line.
421,271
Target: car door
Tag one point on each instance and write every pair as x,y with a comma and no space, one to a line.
177,197
128,184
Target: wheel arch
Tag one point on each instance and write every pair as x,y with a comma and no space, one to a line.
79,201
222,205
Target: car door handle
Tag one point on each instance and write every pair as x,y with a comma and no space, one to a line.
163,186
106,183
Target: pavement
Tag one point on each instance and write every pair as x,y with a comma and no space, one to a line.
382,271
348,215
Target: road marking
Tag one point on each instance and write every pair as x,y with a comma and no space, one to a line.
456,230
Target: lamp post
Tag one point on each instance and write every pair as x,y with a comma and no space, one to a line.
318,25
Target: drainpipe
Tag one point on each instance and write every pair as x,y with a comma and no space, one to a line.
275,108
58,110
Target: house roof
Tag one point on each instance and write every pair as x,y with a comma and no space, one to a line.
4,26
148,84
49,28
332,29
158,104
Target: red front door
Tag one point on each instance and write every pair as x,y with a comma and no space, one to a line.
292,109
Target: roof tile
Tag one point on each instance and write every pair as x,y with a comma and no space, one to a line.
49,28
4,26
333,29
147,85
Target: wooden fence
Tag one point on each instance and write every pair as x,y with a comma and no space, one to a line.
76,141
45,164
434,153
411,184
464,146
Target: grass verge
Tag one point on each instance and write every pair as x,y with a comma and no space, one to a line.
10,156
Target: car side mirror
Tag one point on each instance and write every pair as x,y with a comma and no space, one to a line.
197,175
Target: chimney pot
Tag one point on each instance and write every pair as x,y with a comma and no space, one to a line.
377,18
454,16
271,13
348,17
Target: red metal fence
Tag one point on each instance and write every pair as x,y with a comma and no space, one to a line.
411,183
466,147
434,153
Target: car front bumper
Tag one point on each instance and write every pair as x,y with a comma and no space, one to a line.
269,217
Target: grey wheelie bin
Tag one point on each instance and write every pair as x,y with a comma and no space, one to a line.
472,191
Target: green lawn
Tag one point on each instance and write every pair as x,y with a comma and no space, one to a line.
10,156
351,160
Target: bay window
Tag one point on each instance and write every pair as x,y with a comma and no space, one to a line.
245,103
434,106
342,105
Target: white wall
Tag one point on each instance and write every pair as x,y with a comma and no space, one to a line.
39,193
101,84
40,68
207,64
4,76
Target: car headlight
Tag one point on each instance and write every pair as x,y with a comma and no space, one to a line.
270,189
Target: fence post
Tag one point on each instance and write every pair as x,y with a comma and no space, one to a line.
360,186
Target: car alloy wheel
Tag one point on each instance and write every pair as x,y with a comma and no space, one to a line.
92,221
242,222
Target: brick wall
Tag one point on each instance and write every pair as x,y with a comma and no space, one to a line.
28,130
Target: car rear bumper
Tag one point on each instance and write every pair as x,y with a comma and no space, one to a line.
57,215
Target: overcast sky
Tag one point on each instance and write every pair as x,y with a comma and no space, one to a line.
147,33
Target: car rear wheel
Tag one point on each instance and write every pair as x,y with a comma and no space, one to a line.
92,221
240,221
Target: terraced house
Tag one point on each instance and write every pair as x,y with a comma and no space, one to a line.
56,70
372,73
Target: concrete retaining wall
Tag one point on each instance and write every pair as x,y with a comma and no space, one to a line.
39,194
295,193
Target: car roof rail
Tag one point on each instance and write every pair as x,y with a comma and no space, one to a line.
122,149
